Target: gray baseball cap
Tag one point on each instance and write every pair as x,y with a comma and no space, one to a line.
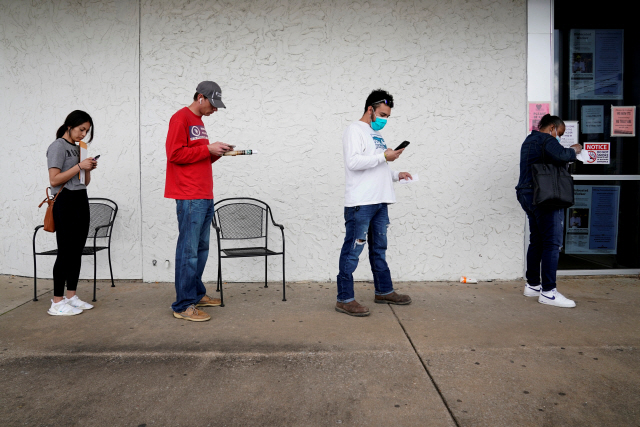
213,93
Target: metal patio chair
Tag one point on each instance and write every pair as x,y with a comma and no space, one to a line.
102,216
244,218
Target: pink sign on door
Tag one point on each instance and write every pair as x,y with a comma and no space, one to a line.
536,111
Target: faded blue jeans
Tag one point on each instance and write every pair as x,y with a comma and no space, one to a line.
364,224
545,240
192,251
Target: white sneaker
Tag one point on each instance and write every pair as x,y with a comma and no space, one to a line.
63,309
553,297
532,291
78,303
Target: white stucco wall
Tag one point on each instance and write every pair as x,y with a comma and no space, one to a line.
294,74
56,57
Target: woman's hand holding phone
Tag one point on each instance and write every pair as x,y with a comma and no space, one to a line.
88,164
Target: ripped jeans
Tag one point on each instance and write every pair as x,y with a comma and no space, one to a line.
364,224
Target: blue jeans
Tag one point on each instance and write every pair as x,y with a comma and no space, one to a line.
546,227
192,251
366,223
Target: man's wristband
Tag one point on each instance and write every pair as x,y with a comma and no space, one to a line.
80,167
385,156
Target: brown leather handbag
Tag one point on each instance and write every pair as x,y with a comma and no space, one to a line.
49,224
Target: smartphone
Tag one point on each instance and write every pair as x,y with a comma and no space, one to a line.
96,157
403,145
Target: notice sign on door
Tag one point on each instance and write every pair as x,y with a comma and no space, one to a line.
592,119
592,223
596,59
623,121
570,136
599,153
536,111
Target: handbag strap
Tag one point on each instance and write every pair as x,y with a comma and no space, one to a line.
529,154
58,193
543,150
49,197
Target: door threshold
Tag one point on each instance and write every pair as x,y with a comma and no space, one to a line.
603,272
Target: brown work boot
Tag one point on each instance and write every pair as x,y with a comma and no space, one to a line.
207,301
393,298
353,308
193,314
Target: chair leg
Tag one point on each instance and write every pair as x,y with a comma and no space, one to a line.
219,277
284,290
95,272
35,279
221,293
219,287
265,273
110,270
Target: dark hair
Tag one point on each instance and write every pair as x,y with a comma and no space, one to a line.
548,120
378,96
75,119
195,97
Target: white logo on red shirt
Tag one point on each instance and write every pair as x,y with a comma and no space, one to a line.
197,132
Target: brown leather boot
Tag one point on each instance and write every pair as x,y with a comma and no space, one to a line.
353,308
393,298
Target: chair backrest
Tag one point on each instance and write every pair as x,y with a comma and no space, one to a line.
241,219
102,213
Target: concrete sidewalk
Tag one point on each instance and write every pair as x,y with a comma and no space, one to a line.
466,355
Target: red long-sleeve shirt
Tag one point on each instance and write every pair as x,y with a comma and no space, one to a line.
189,172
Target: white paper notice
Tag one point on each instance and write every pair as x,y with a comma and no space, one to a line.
583,156
570,136
416,178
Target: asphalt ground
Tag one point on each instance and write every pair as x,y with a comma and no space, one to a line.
459,355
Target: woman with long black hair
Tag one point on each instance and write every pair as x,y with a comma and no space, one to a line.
70,211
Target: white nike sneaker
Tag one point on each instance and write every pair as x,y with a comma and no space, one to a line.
553,297
63,309
78,303
532,291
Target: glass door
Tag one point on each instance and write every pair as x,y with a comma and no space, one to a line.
597,82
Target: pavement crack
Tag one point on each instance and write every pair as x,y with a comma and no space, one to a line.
426,369
10,309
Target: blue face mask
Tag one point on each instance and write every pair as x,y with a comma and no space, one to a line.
379,123
558,136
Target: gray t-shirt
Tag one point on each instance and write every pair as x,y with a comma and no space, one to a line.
64,155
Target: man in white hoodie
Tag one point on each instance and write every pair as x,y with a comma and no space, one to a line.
368,191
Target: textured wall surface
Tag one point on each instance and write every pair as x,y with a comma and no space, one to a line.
56,57
294,74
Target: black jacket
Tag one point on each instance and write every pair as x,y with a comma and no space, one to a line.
531,153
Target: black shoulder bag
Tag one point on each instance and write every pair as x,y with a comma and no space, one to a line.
552,185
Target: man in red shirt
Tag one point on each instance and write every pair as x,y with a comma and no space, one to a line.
190,183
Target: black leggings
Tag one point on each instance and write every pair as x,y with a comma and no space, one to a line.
71,216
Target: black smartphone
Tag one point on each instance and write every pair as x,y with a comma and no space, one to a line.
403,145
96,157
